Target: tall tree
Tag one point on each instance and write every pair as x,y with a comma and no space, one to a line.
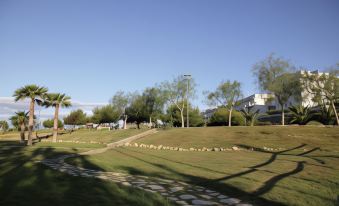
154,102
36,95
77,117
20,119
105,114
56,100
275,75
324,88
175,92
227,94
137,110
121,101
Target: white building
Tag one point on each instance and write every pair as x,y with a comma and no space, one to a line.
267,101
263,102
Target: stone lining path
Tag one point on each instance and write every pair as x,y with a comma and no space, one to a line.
176,191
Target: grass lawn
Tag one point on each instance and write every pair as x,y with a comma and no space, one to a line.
102,136
83,135
306,173
23,181
269,136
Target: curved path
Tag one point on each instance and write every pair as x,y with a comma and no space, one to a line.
179,192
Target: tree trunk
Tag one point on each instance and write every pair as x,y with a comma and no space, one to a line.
282,115
138,125
182,118
230,117
55,126
31,122
22,132
335,112
150,122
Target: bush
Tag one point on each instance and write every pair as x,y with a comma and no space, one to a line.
220,118
267,123
50,122
314,123
275,111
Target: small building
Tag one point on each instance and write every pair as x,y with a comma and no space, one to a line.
261,102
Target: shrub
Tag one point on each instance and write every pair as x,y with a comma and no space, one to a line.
300,114
314,123
267,123
275,111
50,122
220,118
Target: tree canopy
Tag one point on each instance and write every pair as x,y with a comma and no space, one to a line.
176,91
105,114
226,95
77,117
276,75
50,122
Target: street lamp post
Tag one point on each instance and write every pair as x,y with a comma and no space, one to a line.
187,76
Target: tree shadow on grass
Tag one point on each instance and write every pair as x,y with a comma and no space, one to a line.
179,162
23,181
195,180
224,187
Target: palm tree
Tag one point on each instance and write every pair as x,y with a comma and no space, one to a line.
249,116
20,119
56,100
300,114
35,94
4,126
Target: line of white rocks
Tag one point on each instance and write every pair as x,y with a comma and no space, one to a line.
176,191
191,149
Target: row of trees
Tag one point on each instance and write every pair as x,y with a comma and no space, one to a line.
40,96
148,106
168,100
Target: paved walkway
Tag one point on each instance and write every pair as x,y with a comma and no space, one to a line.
179,192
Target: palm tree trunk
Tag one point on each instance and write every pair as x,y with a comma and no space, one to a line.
230,117
55,126
335,112
30,122
22,132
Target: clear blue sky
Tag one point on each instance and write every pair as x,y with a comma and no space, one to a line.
91,49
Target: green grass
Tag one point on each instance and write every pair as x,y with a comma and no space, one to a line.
269,136
23,181
306,173
82,135
102,136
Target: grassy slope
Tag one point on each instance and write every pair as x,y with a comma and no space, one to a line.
102,136
304,175
274,136
26,182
